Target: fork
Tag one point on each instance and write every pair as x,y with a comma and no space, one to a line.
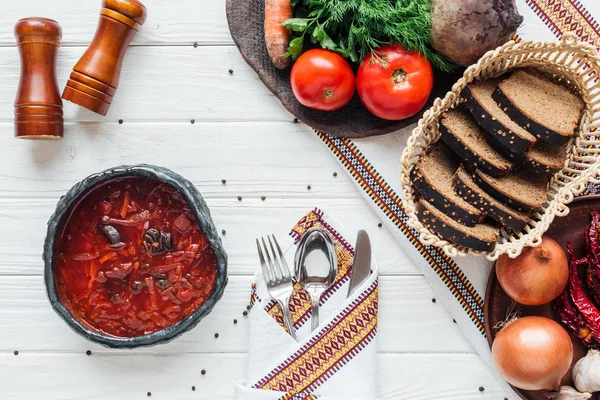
277,277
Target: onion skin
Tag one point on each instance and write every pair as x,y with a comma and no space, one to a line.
533,353
537,276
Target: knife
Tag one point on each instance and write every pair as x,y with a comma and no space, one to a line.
361,268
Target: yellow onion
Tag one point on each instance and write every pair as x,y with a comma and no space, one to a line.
533,353
537,276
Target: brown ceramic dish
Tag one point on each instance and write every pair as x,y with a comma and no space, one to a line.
570,228
246,18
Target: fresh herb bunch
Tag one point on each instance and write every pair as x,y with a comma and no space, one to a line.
356,28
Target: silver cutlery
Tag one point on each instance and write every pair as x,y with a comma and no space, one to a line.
315,267
277,277
361,268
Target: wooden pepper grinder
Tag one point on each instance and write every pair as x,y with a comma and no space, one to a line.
38,107
95,77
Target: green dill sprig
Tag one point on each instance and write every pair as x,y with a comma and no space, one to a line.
356,28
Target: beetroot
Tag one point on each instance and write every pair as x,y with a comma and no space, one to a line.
464,30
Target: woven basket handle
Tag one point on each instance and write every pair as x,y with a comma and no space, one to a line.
569,38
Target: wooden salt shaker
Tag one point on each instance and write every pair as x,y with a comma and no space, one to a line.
95,77
38,107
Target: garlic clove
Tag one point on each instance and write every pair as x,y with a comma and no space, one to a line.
586,372
568,393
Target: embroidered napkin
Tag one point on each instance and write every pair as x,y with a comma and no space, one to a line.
338,361
374,164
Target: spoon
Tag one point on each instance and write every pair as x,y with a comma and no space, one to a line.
316,267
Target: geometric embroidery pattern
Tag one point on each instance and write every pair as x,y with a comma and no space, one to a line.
253,297
335,345
290,396
563,16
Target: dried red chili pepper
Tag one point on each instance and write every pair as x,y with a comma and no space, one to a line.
580,299
591,238
593,282
592,241
572,319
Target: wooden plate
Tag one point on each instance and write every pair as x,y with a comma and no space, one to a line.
568,229
245,18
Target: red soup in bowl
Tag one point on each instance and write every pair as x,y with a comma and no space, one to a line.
132,259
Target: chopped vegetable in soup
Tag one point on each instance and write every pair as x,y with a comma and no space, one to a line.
132,259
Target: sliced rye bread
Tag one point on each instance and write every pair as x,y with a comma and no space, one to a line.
469,141
547,109
523,190
489,115
432,178
465,187
481,237
545,158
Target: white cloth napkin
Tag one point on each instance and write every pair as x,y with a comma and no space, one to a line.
374,164
336,362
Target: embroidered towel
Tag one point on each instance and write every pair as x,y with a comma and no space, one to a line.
338,361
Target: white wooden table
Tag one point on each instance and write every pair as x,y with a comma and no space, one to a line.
178,106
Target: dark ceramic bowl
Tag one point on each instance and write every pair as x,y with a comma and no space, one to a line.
197,205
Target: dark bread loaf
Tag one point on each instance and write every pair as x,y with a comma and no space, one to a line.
497,123
523,190
469,141
432,178
465,187
547,109
481,237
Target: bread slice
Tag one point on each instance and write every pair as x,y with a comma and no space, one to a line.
468,140
432,178
523,191
466,188
481,237
545,158
489,115
547,109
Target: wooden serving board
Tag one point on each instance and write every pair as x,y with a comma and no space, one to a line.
497,303
245,18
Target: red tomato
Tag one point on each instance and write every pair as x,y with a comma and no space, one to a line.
323,80
399,89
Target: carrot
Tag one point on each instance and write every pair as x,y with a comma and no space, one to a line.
277,37
125,205
108,256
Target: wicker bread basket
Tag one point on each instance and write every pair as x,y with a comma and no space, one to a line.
574,63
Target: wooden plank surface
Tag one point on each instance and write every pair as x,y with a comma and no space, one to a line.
169,23
403,299
118,376
240,133
164,83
